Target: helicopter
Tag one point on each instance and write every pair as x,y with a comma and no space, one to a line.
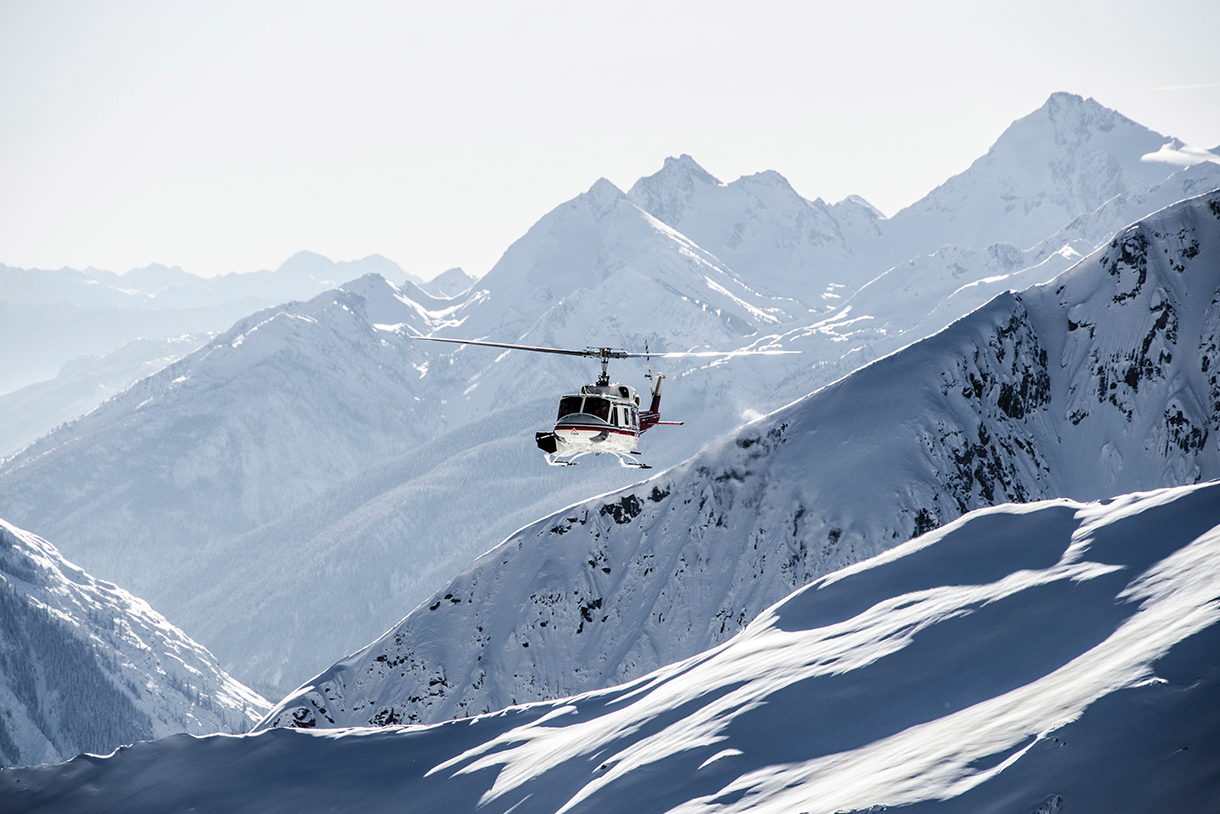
605,417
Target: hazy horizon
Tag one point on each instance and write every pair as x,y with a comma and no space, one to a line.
228,137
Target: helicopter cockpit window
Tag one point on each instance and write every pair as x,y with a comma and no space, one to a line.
569,405
598,407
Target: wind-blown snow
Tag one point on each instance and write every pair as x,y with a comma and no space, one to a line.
1021,658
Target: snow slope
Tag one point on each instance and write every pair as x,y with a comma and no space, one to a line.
1100,383
1033,658
284,404
86,666
337,573
82,384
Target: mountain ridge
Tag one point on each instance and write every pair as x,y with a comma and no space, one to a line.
86,666
998,407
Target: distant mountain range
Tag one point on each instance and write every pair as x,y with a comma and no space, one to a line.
83,383
52,316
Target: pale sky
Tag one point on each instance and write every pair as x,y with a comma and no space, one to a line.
228,136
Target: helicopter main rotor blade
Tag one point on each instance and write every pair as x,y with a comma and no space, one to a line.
593,353
610,353
706,353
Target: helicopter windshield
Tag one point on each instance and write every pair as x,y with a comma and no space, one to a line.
598,407
569,405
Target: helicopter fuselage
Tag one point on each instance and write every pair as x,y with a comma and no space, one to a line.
601,418
604,417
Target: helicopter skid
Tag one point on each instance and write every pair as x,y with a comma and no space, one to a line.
569,458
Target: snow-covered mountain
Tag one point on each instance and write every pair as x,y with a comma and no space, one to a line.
447,284
49,317
1034,658
1104,381
284,404
916,298
336,573
86,666
348,437
764,230
1096,226
303,276
158,287
82,384
1064,160
602,248
38,339
265,419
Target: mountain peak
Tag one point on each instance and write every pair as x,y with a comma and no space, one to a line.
1072,114
155,268
668,193
306,264
449,283
768,178
603,194
685,165
1061,161
857,203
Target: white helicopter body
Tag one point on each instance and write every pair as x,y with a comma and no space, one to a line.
603,418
